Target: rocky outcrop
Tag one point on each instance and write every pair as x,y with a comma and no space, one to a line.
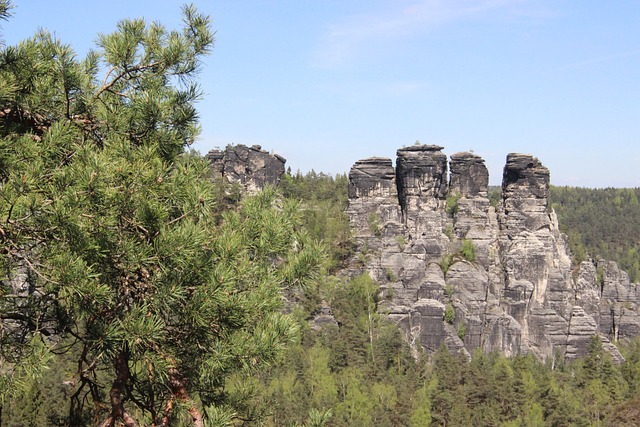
422,177
469,175
454,269
251,167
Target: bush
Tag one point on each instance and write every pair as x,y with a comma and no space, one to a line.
449,314
462,330
448,291
374,224
448,231
446,262
390,276
468,250
452,203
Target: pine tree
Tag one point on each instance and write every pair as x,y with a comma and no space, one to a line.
113,247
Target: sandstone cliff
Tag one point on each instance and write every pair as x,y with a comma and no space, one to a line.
251,167
454,269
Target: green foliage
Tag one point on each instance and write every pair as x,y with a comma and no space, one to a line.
445,262
452,203
601,223
323,202
448,291
120,237
361,370
391,277
318,418
421,407
449,313
448,231
374,224
5,13
362,259
462,330
495,195
365,247
631,368
5,8
158,286
401,241
468,250
491,389
600,275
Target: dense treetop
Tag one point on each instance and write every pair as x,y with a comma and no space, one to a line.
601,224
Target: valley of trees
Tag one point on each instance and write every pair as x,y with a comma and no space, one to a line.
135,291
601,224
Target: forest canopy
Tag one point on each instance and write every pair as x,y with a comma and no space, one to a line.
601,224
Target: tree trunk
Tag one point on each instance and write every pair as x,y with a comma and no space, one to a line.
115,395
178,386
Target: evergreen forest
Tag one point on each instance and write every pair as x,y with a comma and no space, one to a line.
601,224
137,291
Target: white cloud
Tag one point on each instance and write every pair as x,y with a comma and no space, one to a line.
399,20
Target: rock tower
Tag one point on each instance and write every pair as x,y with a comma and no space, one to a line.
251,167
455,269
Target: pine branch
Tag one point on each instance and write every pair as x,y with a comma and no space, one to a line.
123,74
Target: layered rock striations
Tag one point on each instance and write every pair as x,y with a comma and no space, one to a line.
454,269
251,167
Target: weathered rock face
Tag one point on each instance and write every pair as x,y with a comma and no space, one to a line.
472,275
372,177
469,175
525,194
422,177
251,167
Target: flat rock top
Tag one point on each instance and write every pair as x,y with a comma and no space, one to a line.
433,148
526,172
375,161
466,156
524,162
215,154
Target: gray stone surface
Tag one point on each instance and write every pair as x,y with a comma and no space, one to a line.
372,177
251,167
469,175
517,294
422,178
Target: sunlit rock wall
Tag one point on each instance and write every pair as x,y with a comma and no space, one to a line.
454,269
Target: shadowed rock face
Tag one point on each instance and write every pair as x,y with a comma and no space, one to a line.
371,177
525,172
515,293
525,193
421,176
469,175
251,167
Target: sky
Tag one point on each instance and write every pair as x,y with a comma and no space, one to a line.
325,83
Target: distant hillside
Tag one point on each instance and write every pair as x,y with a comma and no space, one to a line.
601,223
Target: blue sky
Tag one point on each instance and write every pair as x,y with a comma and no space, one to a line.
327,82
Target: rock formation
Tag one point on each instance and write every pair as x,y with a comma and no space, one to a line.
251,167
454,269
